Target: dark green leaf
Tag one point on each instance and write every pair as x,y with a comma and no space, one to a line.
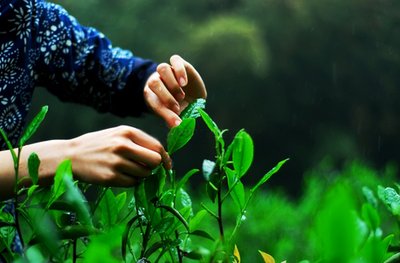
125,235
202,233
74,196
180,135
33,126
193,255
177,215
212,191
33,167
121,200
192,110
109,209
269,174
243,151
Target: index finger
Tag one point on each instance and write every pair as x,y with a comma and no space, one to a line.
178,64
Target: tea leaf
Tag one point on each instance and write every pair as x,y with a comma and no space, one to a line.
180,135
192,110
9,146
109,207
201,233
236,188
269,174
390,198
121,200
243,151
33,167
370,216
176,214
196,220
186,177
33,125
210,123
58,188
208,168
74,196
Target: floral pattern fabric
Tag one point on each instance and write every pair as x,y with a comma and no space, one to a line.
42,45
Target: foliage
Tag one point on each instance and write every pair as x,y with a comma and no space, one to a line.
153,222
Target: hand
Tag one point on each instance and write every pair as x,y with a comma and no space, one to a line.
118,156
171,88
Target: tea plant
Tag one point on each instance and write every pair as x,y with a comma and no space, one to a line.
153,222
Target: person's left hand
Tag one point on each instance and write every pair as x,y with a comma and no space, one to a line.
171,88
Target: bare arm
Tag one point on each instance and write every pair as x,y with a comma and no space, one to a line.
118,156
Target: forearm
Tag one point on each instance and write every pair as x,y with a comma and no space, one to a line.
50,153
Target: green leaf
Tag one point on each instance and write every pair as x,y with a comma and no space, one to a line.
63,170
370,216
202,233
369,196
208,168
121,200
192,110
176,214
74,196
10,147
269,174
109,209
236,188
197,219
210,123
33,167
212,191
33,125
186,177
243,151
180,135
390,198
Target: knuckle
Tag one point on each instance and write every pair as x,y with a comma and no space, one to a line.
162,68
153,82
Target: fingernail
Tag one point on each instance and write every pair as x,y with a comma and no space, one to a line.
177,122
176,109
182,81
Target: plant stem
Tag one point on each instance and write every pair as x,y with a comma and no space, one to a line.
220,222
102,193
74,252
16,213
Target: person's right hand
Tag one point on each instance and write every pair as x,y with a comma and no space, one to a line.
118,156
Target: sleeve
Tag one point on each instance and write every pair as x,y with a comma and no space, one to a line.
79,64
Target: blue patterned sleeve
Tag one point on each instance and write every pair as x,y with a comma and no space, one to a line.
79,64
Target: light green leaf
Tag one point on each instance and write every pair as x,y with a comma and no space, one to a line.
243,151
192,110
236,188
180,135
9,146
121,200
197,219
210,123
33,125
370,216
33,167
186,177
390,198
64,169
208,168
268,175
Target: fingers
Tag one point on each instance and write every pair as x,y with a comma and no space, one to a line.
178,64
170,80
171,117
163,94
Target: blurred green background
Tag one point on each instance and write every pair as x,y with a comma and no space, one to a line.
306,78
